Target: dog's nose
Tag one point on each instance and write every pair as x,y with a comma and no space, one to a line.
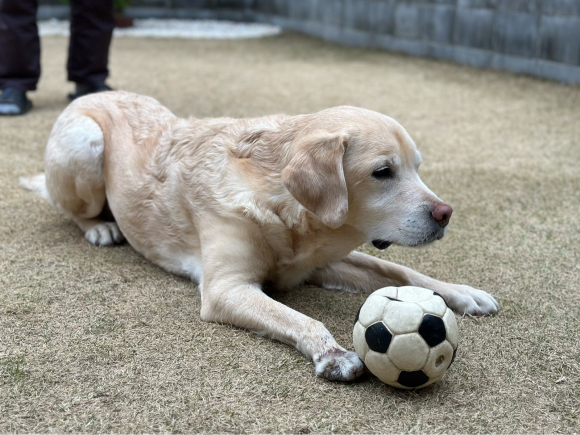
441,213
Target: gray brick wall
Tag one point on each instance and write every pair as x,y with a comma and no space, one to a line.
537,37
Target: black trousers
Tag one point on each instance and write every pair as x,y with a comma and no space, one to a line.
92,24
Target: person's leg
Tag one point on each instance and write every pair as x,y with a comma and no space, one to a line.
19,45
19,55
92,24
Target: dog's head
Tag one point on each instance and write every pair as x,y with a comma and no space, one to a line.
357,167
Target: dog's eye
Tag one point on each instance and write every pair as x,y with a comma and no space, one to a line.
383,173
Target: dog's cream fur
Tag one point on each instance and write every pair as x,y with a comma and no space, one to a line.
234,203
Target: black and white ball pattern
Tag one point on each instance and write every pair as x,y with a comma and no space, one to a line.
406,336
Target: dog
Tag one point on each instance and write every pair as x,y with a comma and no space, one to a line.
236,203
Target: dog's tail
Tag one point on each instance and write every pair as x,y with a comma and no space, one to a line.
36,184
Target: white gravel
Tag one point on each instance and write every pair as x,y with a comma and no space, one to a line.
170,28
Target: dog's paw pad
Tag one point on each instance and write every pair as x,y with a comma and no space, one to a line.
105,234
339,365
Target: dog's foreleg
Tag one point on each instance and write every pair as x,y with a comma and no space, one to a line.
234,266
246,306
362,272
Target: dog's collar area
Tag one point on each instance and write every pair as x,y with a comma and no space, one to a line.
381,244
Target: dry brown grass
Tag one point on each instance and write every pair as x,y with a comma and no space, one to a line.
100,340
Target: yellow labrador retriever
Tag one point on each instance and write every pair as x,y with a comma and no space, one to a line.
234,203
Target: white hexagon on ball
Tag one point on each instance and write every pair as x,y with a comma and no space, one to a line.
408,351
372,310
402,317
360,344
439,359
413,294
434,305
381,366
451,328
389,292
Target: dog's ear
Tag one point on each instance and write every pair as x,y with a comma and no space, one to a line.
315,176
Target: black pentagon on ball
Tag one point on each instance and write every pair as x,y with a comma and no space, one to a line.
413,379
432,329
378,337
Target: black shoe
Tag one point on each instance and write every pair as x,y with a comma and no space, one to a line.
14,102
82,90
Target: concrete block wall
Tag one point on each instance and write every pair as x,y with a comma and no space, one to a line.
536,37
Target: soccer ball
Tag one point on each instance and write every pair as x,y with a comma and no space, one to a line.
406,336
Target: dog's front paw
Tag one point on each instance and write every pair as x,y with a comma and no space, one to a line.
468,300
105,234
338,365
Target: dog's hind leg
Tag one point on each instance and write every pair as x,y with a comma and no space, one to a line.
74,176
100,233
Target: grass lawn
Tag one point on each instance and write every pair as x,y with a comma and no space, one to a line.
100,340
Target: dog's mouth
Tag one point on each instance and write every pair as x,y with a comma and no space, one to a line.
381,244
